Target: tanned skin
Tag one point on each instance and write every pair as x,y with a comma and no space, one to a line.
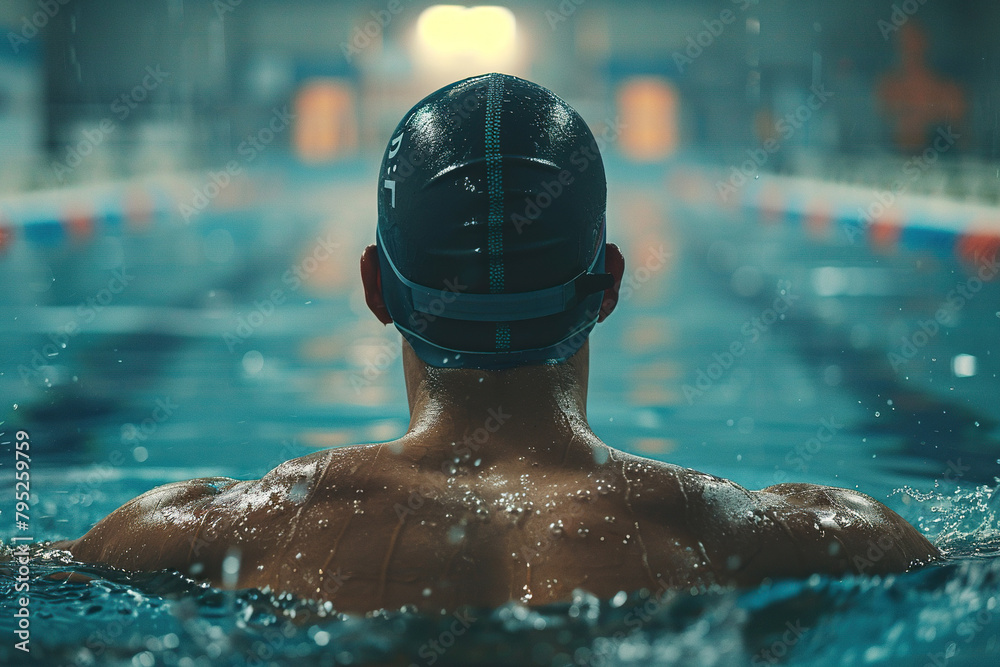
498,491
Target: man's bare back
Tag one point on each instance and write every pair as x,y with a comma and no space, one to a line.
387,525
499,490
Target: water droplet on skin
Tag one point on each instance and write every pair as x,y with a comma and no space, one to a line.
557,528
583,532
299,491
456,534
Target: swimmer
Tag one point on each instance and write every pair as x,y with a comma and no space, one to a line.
491,259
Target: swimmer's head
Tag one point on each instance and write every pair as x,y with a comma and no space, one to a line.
491,226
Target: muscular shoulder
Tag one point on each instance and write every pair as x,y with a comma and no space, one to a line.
838,530
788,530
141,530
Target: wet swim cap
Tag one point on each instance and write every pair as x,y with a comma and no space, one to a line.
491,226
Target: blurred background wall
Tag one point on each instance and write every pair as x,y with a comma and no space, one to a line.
181,84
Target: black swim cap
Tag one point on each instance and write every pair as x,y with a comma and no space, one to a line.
491,226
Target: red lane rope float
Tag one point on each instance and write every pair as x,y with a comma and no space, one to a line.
975,247
79,223
6,236
885,231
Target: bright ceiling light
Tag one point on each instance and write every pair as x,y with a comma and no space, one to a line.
485,33
963,365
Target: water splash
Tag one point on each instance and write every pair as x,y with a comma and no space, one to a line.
964,522
820,621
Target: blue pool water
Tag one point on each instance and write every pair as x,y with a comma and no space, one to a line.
241,339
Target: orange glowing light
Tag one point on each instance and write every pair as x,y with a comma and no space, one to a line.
325,123
649,109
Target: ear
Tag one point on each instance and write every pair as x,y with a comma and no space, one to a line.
371,278
614,263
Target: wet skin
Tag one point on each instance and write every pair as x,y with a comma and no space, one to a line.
498,491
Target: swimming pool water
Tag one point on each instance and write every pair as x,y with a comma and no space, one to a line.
242,340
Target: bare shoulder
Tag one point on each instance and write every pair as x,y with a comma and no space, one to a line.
846,530
785,530
173,525
124,538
